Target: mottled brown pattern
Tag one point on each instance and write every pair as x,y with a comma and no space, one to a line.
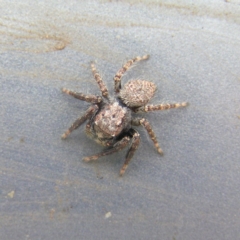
142,91
110,121
81,96
131,151
115,148
147,126
99,81
113,119
149,108
91,110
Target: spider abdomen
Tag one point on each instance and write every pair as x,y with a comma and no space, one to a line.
137,93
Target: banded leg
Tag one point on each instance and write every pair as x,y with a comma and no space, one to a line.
87,98
131,151
116,147
125,67
99,81
149,108
90,111
147,126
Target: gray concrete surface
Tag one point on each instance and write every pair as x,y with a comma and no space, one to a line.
192,192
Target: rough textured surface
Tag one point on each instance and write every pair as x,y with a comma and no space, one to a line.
113,119
47,192
137,93
110,122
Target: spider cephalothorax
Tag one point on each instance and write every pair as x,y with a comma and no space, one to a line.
110,120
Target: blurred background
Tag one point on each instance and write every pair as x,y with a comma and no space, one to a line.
192,192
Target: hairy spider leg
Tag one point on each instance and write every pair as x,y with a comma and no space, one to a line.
147,126
99,81
131,151
81,96
90,111
115,148
150,107
125,67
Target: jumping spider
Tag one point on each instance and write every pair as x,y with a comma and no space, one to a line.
110,120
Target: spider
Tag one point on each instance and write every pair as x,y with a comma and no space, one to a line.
110,120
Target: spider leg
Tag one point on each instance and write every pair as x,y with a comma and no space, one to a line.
125,67
115,148
90,111
150,107
147,126
99,81
131,151
87,98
